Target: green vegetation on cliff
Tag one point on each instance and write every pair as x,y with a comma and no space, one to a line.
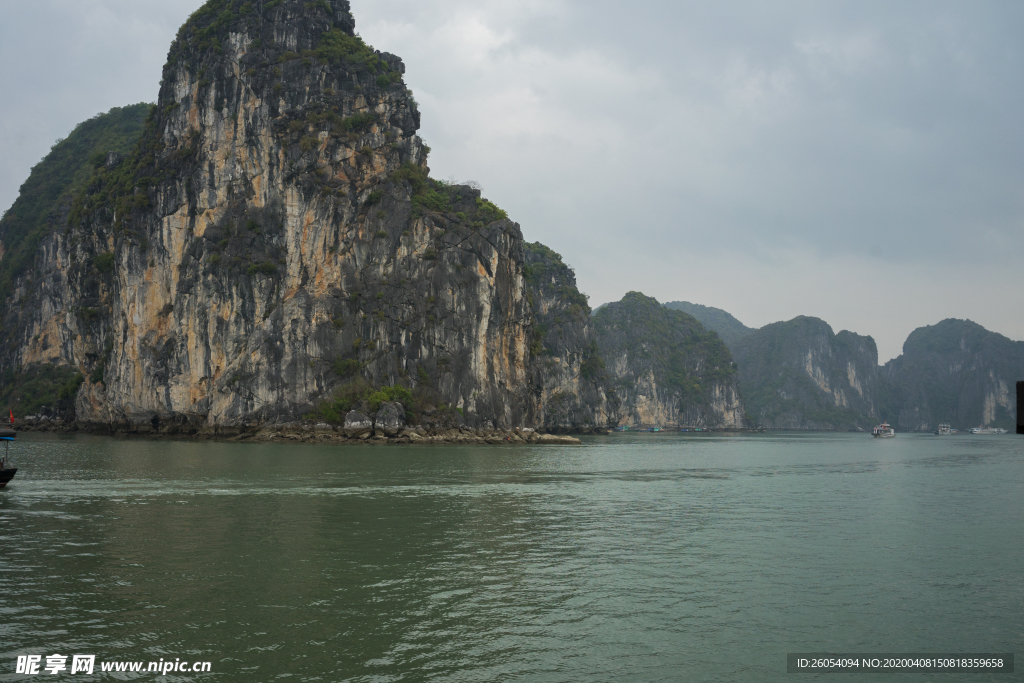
546,272
43,387
54,181
358,394
210,26
670,345
422,404
122,191
724,323
800,375
460,204
566,362
558,307
955,371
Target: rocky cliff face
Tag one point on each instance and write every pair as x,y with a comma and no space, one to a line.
800,375
664,369
276,216
1020,405
266,243
568,371
956,372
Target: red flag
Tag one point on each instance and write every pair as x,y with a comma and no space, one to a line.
12,416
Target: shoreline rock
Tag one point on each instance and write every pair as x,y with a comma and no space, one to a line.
362,431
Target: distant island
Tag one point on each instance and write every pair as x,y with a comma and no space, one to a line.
800,375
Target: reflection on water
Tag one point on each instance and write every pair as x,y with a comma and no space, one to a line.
636,557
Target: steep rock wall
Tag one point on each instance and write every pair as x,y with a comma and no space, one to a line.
956,372
568,371
276,216
800,375
664,369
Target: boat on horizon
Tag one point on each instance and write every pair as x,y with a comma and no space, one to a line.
988,430
944,430
883,431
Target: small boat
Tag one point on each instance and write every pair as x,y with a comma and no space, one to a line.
654,429
988,430
6,471
944,430
883,431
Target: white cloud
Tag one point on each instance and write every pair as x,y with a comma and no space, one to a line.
66,61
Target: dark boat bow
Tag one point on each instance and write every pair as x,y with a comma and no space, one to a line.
6,472
6,475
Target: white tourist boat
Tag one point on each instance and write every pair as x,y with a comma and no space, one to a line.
883,431
988,430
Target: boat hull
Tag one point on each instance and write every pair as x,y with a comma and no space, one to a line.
7,475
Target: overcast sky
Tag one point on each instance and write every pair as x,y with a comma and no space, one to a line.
862,162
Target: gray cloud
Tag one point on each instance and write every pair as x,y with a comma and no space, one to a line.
856,161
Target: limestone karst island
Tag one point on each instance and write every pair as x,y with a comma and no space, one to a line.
279,402
263,253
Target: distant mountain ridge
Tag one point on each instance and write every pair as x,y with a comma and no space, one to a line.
798,374
724,323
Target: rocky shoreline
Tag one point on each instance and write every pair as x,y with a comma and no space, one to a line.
304,432
463,435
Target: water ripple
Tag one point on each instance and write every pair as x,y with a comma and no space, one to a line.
656,559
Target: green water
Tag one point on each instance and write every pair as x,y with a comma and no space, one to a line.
633,558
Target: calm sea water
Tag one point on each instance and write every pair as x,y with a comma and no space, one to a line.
634,558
